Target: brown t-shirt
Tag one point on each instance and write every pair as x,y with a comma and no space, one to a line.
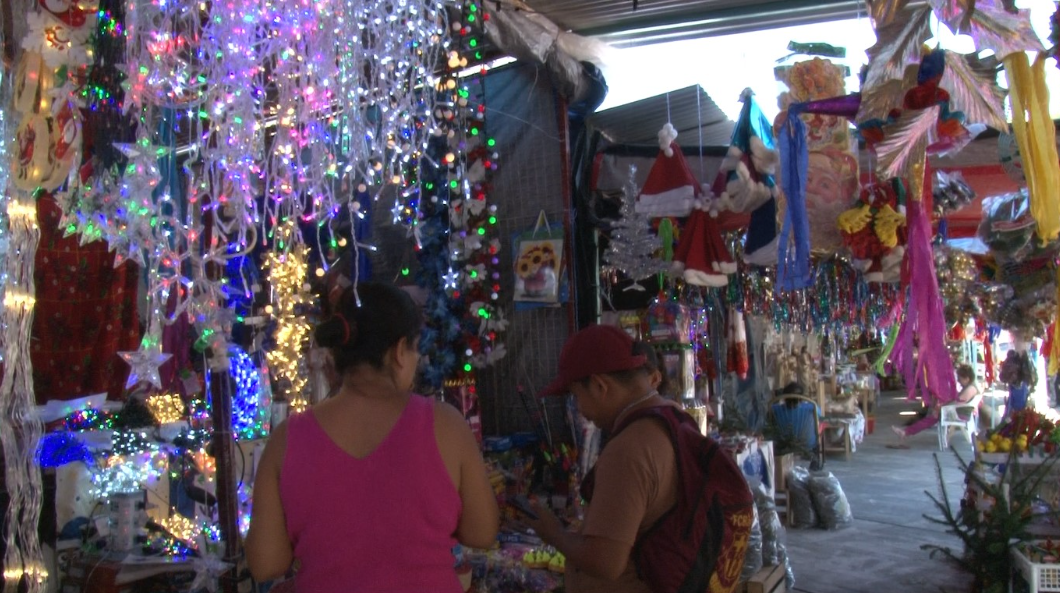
636,483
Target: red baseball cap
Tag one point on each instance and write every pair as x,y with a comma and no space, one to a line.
596,349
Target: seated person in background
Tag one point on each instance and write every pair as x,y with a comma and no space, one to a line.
969,393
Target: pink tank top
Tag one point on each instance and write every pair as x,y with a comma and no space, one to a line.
382,524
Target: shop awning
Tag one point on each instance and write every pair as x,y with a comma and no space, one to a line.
627,23
695,116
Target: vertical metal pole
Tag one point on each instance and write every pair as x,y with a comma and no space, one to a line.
227,507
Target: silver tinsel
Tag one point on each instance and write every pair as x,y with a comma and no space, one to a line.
633,244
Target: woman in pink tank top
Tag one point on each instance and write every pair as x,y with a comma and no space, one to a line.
370,489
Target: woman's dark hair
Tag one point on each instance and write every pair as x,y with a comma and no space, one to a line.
793,388
363,334
966,371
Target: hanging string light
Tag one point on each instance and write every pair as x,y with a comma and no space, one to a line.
290,296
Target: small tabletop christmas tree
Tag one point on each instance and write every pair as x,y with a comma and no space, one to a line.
633,244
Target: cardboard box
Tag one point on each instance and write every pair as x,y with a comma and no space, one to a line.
768,580
783,465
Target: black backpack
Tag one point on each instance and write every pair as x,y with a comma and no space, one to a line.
698,546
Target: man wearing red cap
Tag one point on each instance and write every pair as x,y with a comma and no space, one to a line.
635,478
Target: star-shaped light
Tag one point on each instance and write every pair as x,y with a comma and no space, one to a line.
145,363
450,278
397,211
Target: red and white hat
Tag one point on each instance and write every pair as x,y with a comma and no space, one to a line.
670,189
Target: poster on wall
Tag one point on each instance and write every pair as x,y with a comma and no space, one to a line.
832,177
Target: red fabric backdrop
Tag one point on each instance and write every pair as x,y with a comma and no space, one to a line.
85,314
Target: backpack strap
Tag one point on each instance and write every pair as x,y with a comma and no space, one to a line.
671,416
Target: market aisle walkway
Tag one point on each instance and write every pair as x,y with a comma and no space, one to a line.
886,488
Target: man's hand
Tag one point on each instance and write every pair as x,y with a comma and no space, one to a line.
547,526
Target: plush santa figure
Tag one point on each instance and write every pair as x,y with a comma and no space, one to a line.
670,189
746,183
701,256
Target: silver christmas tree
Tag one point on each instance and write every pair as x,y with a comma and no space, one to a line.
633,244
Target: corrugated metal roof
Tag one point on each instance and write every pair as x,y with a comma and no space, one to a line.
654,21
690,110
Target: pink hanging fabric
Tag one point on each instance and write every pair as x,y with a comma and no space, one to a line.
920,350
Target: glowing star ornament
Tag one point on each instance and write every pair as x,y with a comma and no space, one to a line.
451,278
144,363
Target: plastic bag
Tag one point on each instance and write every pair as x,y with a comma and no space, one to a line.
950,192
773,551
802,512
1007,226
752,560
831,503
769,521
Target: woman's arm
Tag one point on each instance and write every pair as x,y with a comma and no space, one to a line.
968,393
480,518
268,546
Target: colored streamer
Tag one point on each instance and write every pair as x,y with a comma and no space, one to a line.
1036,136
930,371
793,271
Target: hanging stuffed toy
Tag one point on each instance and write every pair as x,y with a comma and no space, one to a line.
737,360
701,256
670,188
745,181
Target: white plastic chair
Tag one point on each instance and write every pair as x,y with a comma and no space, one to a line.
963,417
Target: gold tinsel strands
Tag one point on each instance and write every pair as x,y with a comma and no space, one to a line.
287,278
1036,136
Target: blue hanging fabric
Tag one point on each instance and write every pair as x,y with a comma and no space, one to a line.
793,269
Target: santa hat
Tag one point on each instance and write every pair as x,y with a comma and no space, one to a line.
670,189
701,256
746,183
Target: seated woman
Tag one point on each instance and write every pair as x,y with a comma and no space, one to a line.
969,393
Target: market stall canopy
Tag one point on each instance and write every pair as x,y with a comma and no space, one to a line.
628,23
695,116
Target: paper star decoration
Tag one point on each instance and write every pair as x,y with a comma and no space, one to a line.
145,363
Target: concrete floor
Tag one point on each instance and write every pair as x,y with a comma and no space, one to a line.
880,551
